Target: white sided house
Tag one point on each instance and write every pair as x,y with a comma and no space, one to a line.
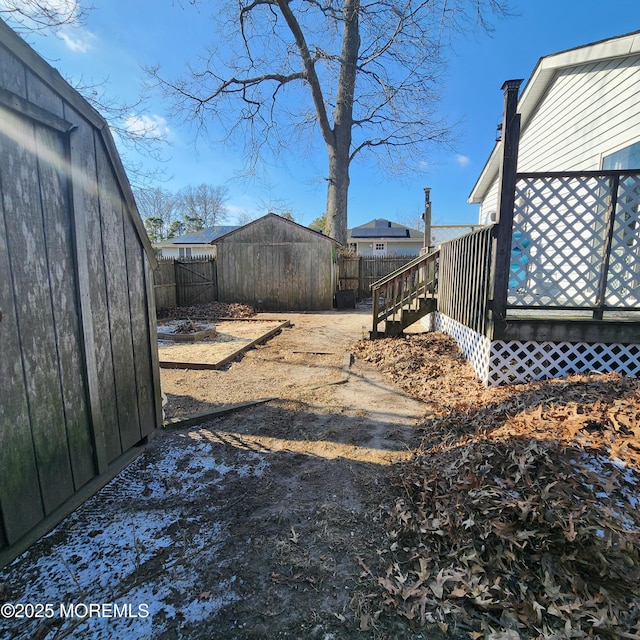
574,256
579,112
194,245
383,238
550,285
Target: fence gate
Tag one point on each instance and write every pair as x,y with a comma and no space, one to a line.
360,272
195,281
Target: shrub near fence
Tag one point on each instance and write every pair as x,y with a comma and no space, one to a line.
358,273
183,282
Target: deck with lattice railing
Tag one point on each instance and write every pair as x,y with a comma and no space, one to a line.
564,297
554,287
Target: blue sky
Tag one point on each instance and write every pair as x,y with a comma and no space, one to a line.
119,38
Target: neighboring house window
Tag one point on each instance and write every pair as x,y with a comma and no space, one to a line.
379,246
353,246
185,252
379,249
627,158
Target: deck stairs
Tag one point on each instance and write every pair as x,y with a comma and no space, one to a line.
405,296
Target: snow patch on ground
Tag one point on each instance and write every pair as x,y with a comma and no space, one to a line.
138,544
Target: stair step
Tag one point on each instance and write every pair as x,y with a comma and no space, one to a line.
395,327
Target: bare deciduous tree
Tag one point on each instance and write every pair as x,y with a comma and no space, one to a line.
158,208
134,131
361,73
203,205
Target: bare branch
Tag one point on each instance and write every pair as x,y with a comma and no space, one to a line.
360,75
27,16
309,66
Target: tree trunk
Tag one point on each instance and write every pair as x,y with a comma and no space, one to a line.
337,194
339,148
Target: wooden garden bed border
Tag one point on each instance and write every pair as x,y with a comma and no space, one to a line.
165,364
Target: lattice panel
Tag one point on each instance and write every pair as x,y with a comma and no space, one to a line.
623,281
516,361
558,239
499,362
473,345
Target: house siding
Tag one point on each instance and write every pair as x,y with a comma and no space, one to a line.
589,110
392,249
197,251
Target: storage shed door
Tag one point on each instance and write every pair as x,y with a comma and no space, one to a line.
46,450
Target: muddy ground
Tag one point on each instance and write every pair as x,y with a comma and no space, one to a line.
266,523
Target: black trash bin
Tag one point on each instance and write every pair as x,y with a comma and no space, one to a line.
346,299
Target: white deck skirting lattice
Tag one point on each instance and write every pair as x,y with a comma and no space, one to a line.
473,345
500,362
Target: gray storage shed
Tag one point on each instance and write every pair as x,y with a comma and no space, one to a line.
79,377
275,264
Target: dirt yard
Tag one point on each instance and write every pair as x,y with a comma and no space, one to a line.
265,523
345,508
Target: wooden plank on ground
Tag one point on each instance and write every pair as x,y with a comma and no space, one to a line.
199,418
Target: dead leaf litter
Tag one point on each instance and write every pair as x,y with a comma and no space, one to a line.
518,517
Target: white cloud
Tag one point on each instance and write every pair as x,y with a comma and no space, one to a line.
463,161
78,40
148,125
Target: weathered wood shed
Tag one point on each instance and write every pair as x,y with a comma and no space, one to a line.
79,381
275,264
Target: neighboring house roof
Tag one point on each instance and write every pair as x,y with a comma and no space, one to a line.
382,228
543,75
205,236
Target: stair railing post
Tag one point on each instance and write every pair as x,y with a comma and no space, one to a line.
506,200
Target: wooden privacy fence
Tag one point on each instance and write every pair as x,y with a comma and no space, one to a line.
358,273
184,282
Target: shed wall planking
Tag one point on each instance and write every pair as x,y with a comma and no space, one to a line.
18,470
79,377
276,277
94,289
25,185
57,250
141,337
117,336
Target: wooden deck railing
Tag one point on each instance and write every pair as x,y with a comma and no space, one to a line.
464,278
568,248
403,289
